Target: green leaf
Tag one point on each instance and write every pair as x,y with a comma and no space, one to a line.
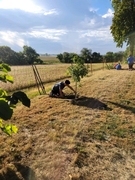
9,78
2,93
123,22
21,96
7,129
14,129
5,67
1,123
5,110
3,78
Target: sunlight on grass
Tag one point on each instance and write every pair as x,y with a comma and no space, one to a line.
77,139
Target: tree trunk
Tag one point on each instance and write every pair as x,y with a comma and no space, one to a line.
76,89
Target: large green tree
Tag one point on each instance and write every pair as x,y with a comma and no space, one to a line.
60,57
109,57
30,54
66,57
7,55
123,23
86,55
96,57
118,56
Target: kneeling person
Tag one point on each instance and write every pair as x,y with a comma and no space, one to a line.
58,87
118,66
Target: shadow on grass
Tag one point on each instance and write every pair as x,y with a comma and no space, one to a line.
132,109
20,172
88,102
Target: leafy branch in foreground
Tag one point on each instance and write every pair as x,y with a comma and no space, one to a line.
7,103
123,23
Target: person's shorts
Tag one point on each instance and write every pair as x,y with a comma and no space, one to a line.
52,94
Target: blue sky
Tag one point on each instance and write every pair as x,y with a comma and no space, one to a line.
57,26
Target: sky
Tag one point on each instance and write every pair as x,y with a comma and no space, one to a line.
57,26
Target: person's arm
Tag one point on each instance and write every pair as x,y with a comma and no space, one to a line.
60,92
72,89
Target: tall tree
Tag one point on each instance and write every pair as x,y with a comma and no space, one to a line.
109,57
60,57
86,54
7,55
118,56
123,23
96,57
66,57
22,60
30,54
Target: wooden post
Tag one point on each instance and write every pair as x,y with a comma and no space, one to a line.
91,65
103,64
39,82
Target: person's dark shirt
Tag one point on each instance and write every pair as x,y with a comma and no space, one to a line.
58,86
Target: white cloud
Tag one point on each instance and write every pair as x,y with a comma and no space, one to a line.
93,10
70,31
15,38
25,5
92,22
12,38
88,23
99,34
52,11
52,34
108,14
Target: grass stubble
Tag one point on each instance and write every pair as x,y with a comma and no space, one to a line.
63,141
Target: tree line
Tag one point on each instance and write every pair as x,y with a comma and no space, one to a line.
89,57
29,56
26,57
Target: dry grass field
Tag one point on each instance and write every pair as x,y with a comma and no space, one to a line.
75,139
24,76
49,59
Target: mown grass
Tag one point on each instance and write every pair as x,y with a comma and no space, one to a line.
61,140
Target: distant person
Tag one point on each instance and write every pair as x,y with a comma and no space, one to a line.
118,66
58,87
130,61
115,66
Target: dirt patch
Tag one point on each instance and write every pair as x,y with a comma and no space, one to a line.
17,171
89,102
85,101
